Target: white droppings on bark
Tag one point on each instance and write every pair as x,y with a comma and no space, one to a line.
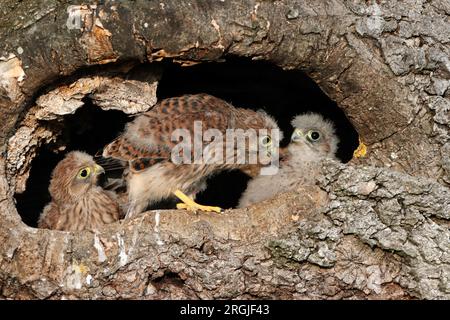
374,279
255,8
156,229
100,251
217,28
15,243
62,252
123,256
75,276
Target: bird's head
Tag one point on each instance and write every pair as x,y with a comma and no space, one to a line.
313,137
74,176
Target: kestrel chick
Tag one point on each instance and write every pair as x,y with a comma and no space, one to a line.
313,139
147,147
78,203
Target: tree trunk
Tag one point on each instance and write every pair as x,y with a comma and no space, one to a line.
377,227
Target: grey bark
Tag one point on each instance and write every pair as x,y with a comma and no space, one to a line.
362,232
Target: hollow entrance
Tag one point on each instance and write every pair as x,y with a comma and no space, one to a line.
88,129
242,82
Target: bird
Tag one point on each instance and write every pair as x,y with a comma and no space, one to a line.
77,201
314,138
147,148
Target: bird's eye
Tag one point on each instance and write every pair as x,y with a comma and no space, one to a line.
313,136
84,173
266,140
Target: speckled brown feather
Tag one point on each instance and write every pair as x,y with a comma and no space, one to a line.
177,113
190,103
159,123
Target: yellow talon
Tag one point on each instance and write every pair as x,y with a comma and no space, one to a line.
191,205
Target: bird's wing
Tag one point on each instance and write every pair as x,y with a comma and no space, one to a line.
150,138
140,164
191,103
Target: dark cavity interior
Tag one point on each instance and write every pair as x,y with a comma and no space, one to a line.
242,82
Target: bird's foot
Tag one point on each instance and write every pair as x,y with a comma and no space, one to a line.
191,205
195,207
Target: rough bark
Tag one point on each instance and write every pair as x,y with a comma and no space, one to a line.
362,232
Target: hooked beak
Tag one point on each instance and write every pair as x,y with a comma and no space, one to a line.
297,135
98,170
